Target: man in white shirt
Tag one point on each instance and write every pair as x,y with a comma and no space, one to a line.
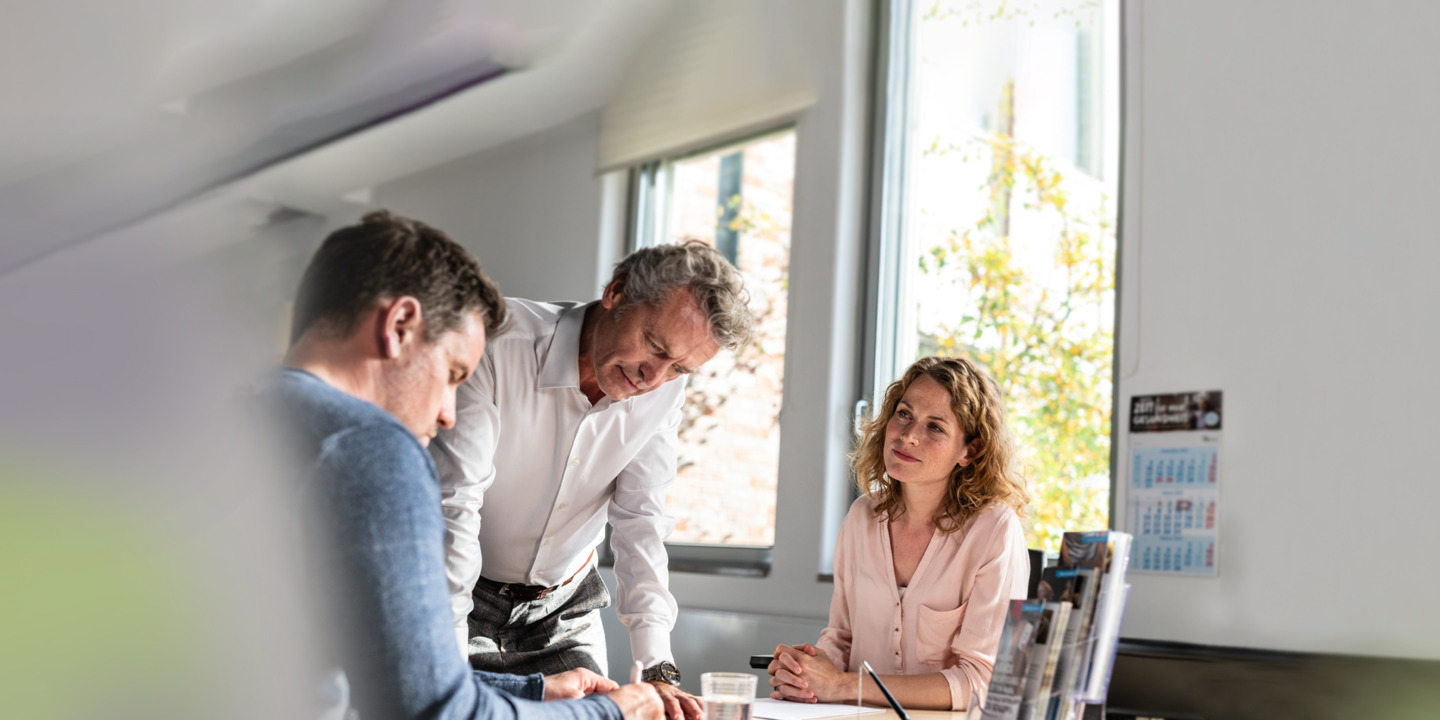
569,421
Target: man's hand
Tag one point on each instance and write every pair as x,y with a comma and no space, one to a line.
576,683
679,705
638,701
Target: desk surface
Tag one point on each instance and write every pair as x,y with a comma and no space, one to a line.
890,714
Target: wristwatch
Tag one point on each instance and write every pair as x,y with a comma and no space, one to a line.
664,672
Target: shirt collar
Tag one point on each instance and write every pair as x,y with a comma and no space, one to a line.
562,361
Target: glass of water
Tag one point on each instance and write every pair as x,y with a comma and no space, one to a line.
727,696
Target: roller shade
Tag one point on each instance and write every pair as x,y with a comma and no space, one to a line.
713,70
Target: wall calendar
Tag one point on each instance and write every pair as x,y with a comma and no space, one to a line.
1174,495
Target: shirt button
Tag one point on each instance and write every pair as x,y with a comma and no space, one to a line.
561,506
575,462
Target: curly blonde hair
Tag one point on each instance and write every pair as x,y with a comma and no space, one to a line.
991,476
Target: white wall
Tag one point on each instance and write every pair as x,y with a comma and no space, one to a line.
1279,243
530,210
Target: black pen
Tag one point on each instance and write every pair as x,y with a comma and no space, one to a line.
891,698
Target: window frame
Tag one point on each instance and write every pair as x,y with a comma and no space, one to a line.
887,180
647,185
886,244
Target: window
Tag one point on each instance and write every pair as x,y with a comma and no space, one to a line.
738,200
998,219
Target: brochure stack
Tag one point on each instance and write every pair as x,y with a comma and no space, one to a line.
1057,650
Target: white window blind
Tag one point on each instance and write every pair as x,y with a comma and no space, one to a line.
713,70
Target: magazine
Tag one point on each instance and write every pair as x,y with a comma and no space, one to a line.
1012,659
1099,560
1105,629
1040,677
1077,586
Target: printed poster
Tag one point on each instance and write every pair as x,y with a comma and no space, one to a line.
1174,494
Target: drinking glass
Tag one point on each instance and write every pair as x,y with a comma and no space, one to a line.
727,696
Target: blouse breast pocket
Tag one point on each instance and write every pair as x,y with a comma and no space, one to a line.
936,631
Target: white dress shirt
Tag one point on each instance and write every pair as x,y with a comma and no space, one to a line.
532,471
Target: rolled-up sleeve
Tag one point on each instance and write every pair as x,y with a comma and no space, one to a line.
465,460
637,514
1001,577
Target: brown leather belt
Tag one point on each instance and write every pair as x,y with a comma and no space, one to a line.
527,593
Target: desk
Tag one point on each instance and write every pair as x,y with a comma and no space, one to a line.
936,714
890,714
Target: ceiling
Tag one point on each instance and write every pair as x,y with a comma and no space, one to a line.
113,113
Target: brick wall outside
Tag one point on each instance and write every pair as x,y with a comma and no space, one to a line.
730,438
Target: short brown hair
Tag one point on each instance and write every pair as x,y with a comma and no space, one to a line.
387,256
992,475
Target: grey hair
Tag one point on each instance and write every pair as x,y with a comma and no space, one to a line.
652,274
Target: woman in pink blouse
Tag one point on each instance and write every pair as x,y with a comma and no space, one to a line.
931,554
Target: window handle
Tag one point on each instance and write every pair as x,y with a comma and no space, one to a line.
862,408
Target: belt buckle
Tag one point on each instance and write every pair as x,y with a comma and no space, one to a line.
521,593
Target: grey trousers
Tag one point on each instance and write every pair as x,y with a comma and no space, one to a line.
550,635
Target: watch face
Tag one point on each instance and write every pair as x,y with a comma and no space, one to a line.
666,672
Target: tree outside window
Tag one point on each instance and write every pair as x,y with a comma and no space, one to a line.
1009,217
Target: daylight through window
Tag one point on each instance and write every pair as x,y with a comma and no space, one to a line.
1005,243
738,200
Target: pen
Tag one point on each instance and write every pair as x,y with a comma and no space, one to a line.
891,698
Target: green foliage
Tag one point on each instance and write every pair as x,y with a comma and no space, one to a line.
1043,339
976,12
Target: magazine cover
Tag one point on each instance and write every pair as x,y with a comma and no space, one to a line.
1048,641
1106,553
1085,549
1012,659
1105,628
1078,587
1036,667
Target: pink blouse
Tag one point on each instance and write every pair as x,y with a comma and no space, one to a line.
954,608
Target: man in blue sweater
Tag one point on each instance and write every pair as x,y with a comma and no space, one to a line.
390,317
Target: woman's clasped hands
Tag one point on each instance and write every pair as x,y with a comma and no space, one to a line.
802,673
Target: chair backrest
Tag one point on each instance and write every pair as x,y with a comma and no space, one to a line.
1037,563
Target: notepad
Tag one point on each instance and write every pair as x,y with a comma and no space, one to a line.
772,709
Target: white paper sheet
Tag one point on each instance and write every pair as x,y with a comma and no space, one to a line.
772,709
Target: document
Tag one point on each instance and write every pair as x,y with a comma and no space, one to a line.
772,709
